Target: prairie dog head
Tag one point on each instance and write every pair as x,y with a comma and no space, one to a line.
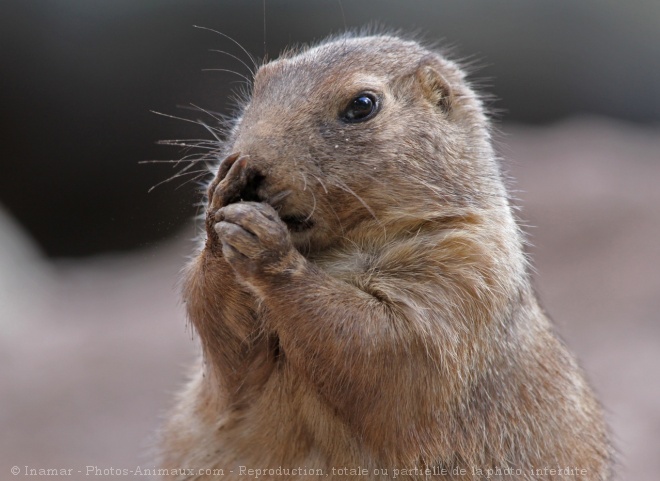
365,133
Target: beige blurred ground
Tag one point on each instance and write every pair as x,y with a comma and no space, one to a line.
91,352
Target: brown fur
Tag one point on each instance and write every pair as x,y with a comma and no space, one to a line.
399,331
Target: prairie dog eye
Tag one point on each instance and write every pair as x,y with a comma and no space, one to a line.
363,107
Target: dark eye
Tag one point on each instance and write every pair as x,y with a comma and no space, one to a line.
361,108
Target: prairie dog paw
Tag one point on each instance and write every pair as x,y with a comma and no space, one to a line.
254,239
232,178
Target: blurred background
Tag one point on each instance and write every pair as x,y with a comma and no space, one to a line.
93,341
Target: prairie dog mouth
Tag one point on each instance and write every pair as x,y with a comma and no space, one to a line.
254,191
249,192
297,223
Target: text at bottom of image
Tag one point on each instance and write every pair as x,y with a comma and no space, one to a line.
257,473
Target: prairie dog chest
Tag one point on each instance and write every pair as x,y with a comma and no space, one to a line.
352,264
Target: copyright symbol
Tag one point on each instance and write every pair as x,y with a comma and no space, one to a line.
15,470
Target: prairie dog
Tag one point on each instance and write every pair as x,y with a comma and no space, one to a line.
362,296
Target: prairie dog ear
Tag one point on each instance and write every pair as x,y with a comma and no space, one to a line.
435,86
